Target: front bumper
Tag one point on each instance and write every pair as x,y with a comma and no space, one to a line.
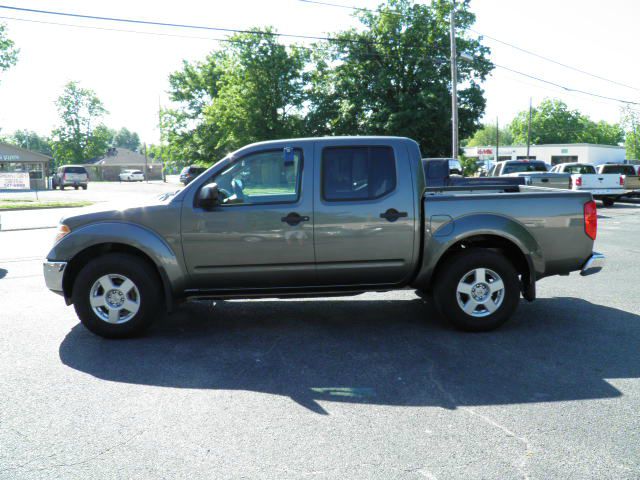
53,273
594,264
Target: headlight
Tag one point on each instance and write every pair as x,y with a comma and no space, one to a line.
63,230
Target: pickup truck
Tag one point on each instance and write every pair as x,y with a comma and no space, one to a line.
607,186
630,179
438,172
535,171
321,217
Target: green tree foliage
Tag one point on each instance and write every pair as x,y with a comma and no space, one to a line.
81,135
251,91
8,51
631,124
487,136
125,138
553,122
392,77
32,141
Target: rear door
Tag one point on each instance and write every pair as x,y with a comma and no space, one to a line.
364,213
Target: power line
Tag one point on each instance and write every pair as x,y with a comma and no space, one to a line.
258,32
568,89
528,52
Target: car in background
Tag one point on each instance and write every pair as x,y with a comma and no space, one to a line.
75,176
630,179
189,173
131,176
607,187
535,171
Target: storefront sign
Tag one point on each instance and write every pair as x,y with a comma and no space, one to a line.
9,158
485,151
14,180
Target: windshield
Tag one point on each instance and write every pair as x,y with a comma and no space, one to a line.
517,167
619,169
580,169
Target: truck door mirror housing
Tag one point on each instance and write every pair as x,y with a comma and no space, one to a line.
209,196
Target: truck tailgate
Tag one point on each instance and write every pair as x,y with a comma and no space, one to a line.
631,182
546,179
594,181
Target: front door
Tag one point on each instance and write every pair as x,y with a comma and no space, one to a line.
364,215
261,233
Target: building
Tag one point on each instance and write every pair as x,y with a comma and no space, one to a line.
551,154
19,160
109,166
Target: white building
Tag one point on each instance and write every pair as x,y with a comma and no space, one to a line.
551,154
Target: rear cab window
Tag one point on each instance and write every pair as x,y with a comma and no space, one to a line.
518,167
580,169
74,170
357,173
619,169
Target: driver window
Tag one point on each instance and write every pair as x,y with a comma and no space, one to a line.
264,177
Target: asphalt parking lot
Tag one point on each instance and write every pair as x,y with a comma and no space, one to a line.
372,386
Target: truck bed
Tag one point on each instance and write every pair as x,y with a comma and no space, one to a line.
553,220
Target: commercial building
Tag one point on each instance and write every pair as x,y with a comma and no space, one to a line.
551,154
16,160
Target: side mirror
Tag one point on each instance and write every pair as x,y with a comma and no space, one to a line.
209,196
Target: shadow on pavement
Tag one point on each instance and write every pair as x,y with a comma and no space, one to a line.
377,352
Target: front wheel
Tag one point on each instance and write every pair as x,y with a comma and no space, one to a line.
117,295
477,290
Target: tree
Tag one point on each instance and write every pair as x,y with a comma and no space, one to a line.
8,51
487,136
553,122
631,123
81,135
126,139
392,77
251,91
32,141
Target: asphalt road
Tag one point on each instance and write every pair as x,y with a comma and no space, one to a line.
373,386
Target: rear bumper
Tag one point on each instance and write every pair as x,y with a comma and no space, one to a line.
594,264
53,273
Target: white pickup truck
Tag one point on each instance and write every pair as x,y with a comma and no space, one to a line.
629,176
607,187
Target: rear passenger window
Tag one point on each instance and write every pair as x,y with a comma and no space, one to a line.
357,173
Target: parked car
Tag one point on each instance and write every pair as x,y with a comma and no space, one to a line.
438,173
630,179
358,217
188,174
75,176
131,176
535,171
607,187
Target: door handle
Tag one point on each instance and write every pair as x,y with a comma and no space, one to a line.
545,180
294,218
392,214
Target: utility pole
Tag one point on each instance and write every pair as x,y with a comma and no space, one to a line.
146,172
497,140
160,128
454,83
529,130
635,137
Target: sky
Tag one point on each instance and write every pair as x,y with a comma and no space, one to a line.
129,71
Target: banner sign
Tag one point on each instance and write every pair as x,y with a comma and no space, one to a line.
14,180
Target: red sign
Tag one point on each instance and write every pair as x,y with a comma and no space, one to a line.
485,151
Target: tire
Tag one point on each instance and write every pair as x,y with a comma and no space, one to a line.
62,186
460,272
84,187
75,187
608,202
106,274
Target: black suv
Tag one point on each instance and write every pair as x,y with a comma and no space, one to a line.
189,173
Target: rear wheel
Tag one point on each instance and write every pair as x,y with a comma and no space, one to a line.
477,290
84,187
117,295
608,202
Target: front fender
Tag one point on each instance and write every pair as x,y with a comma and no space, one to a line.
131,235
441,233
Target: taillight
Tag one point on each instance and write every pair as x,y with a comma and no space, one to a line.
579,182
621,180
591,219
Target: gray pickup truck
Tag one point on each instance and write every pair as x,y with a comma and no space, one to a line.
321,217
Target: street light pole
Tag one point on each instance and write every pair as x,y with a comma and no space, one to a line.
529,130
454,83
